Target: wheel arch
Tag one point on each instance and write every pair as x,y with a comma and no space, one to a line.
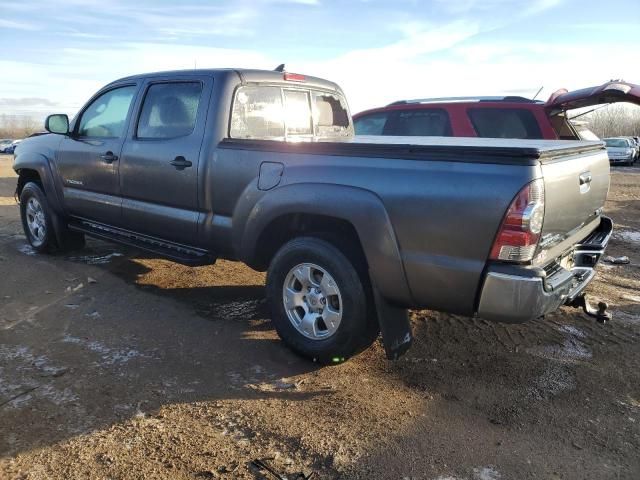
36,167
354,214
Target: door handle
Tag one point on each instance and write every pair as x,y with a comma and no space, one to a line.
585,182
585,178
180,163
109,157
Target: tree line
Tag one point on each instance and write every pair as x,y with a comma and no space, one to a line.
616,120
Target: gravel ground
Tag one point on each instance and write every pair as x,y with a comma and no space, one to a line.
116,365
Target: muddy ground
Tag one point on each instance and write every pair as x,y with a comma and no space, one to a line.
117,365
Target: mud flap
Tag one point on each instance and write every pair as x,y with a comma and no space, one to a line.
394,326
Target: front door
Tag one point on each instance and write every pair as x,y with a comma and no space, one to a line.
159,165
88,159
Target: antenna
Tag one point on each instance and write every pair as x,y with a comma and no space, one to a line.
279,68
538,93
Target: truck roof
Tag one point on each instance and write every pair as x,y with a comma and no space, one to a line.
245,75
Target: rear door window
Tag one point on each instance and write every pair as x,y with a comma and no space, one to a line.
505,123
427,122
169,110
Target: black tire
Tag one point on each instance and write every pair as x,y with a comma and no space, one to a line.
44,240
56,235
356,330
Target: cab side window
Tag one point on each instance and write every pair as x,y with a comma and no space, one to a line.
106,116
169,110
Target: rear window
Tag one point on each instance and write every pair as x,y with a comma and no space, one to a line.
272,112
504,123
428,122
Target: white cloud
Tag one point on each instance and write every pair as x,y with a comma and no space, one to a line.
4,23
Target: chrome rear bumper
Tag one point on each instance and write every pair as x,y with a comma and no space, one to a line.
517,294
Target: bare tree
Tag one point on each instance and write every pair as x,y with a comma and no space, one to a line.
615,120
19,126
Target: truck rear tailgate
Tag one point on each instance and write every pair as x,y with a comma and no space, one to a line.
576,188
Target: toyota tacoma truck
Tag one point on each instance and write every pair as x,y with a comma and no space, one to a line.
262,167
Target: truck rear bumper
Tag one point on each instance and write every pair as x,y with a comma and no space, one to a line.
517,294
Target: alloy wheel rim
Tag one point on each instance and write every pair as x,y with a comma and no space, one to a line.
36,221
313,301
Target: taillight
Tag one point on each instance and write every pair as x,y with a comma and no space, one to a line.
520,230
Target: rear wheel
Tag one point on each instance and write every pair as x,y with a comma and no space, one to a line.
318,301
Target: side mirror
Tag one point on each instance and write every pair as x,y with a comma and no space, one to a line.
58,123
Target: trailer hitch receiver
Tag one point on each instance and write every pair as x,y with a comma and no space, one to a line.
600,314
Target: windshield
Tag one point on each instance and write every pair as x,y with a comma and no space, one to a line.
616,142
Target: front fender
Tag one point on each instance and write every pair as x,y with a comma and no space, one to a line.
30,160
361,208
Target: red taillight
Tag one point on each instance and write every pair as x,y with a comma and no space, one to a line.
294,77
520,230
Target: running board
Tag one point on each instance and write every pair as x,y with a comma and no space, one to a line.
173,251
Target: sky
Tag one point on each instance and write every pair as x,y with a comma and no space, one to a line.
55,54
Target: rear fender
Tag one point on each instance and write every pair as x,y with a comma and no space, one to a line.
359,207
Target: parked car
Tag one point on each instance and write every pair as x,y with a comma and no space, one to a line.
494,117
205,164
635,141
10,148
5,142
620,150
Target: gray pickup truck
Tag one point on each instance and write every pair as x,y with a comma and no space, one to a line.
262,167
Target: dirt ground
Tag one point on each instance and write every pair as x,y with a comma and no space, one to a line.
117,365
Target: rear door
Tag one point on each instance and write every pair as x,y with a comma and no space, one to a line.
159,166
87,161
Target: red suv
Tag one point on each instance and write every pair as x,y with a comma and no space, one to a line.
495,117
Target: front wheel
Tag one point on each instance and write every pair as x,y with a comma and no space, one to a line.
40,223
318,301
37,221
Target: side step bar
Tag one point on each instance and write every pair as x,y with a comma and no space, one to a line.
173,251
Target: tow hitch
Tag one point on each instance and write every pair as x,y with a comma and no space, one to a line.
600,314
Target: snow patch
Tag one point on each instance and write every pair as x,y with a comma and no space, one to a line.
628,235
109,356
27,249
486,473
96,259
